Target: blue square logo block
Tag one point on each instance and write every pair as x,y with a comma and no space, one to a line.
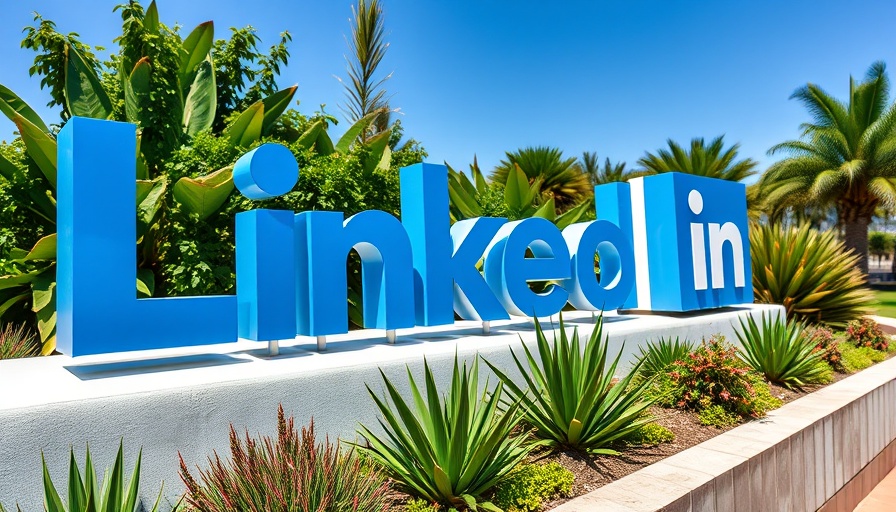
691,243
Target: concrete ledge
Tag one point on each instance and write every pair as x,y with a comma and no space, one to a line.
800,458
184,400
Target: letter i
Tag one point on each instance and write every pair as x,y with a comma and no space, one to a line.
698,247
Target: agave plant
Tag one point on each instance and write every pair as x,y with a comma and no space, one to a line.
657,356
516,199
292,472
781,351
572,399
809,272
88,495
449,449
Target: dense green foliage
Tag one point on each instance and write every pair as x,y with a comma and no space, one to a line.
528,486
809,272
571,397
650,434
559,178
450,448
292,472
781,351
858,358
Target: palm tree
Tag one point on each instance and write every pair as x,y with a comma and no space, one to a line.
608,173
846,157
702,160
364,91
561,178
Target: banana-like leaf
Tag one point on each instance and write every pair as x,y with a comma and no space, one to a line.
84,94
201,102
205,195
547,210
323,144
516,189
142,168
572,215
274,105
386,160
15,299
44,249
151,18
136,89
12,281
195,49
146,282
11,104
246,129
345,142
150,198
376,146
44,306
40,147
309,137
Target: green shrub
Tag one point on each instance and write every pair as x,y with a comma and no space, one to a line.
292,472
17,342
717,416
529,485
866,333
810,272
657,356
780,351
827,344
859,358
419,505
88,495
572,399
449,448
650,434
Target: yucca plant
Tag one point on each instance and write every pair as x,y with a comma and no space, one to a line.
809,272
449,449
292,473
572,399
87,495
17,342
657,356
780,350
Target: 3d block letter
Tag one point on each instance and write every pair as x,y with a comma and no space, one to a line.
97,307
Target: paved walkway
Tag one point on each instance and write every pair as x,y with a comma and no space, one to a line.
882,497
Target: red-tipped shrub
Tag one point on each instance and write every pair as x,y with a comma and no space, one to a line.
291,473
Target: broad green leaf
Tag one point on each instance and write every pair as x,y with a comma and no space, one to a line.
386,160
150,198
354,131
195,49
547,210
44,307
44,249
323,145
151,21
376,146
13,301
515,188
12,281
52,501
246,129
136,89
309,137
40,147
274,105
11,103
205,195
201,102
146,282
84,94
9,170
142,168
573,215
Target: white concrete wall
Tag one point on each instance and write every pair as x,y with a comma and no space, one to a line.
184,400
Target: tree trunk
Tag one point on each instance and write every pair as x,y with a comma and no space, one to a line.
855,234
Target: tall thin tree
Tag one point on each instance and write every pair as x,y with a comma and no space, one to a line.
364,88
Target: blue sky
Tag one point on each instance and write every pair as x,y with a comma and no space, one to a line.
484,77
